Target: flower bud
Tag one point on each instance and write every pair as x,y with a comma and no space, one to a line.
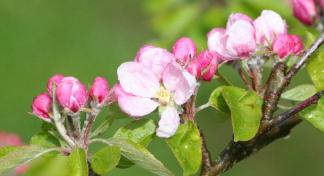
236,17
10,139
267,26
217,40
193,68
42,106
208,63
184,49
99,90
285,45
56,79
305,11
321,3
71,94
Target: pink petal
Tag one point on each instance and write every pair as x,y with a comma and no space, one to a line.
138,80
168,123
134,105
236,17
155,58
217,42
179,82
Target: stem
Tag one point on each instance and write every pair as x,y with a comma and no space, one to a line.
202,107
87,127
206,156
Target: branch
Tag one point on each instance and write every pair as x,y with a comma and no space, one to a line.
206,156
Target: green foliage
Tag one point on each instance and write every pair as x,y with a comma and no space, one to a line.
315,68
299,93
315,115
245,108
45,140
186,146
139,155
78,162
105,160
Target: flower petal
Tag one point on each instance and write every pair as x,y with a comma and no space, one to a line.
168,123
137,79
134,105
179,82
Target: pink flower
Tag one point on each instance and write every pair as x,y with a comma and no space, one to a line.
184,50
99,91
207,65
321,3
305,11
10,139
71,94
41,106
140,92
285,45
236,41
155,58
56,79
267,26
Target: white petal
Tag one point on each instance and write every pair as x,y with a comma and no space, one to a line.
168,123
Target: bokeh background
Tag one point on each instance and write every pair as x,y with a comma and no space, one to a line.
88,38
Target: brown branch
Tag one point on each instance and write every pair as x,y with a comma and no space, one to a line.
206,156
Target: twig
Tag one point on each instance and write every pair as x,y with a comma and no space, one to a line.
206,157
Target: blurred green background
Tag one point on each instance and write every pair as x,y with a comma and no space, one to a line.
89,38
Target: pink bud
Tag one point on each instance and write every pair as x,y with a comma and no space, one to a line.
285,45
208,63
99,90
193,68
321,3
42,106
236,17
267,26
56,79
71,94
304,10
9,139
217,41
184,49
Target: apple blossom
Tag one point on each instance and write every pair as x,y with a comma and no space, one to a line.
41,106
140,92
56,79
207,65
99,91
267,26
286,44
184,50
71,94
305,11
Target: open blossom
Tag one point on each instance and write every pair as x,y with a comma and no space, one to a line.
71,94
286,44
236,41
56,79
140,92
184,50
99,90
155,58
305,11
267,26
41,106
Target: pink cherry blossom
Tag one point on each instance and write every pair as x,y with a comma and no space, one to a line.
56,79
285,45
140,92
41,106
71,94
305,11
155,58
184,50
267,26
99,90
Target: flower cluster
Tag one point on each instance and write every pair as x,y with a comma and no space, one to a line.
245,37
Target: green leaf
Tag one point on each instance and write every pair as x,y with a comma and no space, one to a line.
139,155
186,146
315,115
299,93
217,100
246,112
19,156
6,150
140,132
105,159
44,139
78,162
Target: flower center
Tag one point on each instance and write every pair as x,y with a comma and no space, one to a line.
163,95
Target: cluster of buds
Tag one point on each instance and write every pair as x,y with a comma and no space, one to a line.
307,11
72,97
245,37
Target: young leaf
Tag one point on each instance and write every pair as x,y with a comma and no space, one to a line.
21,155
105,159
217,101
186,146
78,163
245,110
139,155
299,93
45,140
315,115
